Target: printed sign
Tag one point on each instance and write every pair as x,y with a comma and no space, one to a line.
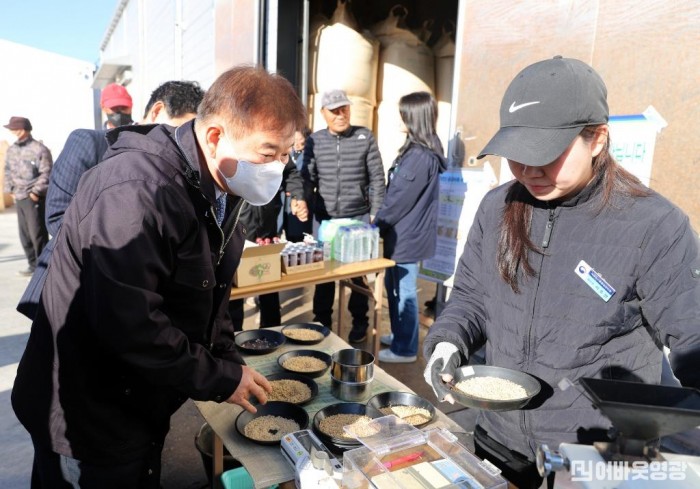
461,191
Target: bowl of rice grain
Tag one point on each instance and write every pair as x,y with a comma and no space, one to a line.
305,333
271,422
294,388
410,407
312,363
330,423
489,388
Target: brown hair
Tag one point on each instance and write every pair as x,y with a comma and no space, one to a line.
514,242
248,97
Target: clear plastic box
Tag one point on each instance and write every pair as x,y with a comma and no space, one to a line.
398,455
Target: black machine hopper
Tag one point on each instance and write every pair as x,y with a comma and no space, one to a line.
644,412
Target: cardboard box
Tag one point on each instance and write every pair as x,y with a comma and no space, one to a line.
307,267
259,264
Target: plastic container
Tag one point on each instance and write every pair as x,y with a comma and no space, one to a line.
396,452
239,479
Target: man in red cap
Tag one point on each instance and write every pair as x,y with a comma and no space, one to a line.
116,104
27,166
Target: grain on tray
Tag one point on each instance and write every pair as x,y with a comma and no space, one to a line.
333,425
411,414
259,344
270,428
493,388
303,334
289,390
304,363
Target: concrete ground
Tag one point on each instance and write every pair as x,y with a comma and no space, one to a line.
182,462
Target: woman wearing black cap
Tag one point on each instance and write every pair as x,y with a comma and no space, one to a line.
575,269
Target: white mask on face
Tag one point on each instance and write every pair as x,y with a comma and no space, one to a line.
256,183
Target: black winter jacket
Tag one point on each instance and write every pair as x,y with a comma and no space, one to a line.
408,217
346,171
558,326
133,317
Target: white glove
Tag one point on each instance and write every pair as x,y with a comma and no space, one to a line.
441,366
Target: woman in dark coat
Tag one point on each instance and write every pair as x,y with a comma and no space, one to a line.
408,221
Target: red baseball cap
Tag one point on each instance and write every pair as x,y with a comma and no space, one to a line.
115,95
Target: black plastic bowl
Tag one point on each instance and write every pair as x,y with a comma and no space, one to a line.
325,357
526,381
315,327
396,398
342,408
282,409
301,378
259,341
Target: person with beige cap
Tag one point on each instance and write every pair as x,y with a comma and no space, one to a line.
27,167
344,168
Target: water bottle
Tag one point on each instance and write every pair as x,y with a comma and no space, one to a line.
346,248
374,254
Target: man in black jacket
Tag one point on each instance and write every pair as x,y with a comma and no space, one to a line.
133,317
343,165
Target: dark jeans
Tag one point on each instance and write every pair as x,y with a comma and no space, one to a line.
358,305
32,228
53,471
516,467
270,311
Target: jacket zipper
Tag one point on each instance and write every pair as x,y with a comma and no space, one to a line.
337,179
208,343
545,244
224,240
548,229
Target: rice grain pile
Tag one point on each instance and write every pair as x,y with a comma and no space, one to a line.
303,334
333,425
493,388
270,428
289,390
304,363
411,414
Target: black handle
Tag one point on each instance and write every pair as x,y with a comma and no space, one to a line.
438,384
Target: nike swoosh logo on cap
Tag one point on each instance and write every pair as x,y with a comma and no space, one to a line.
514,108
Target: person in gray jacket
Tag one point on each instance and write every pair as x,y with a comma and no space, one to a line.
344,168
575,269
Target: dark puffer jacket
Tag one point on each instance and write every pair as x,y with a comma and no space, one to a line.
346,171
558,326
133,316
408,217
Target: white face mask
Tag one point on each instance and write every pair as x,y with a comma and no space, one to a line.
258,183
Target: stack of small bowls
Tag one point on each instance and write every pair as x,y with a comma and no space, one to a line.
352,372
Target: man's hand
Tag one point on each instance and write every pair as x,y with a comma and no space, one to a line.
252,383
299,209
34,197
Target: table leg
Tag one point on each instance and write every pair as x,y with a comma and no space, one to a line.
217,462
341,307
378,296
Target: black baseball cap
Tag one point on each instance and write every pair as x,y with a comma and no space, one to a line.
545,107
